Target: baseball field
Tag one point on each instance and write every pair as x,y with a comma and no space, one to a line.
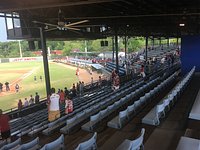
23,73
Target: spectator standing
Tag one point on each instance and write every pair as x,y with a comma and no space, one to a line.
62,96
53,106
73,90
26,102
20,104
4,126
142,71
92,82
58,91
66,92
31,100
116,82
68,105
100,82
113,74
37,98
80,88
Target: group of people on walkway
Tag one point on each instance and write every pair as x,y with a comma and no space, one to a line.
53,105
27,102
77,89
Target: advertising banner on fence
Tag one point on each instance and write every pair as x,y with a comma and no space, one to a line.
25,59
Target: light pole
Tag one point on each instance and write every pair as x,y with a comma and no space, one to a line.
20,49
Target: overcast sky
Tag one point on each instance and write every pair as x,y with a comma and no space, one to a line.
3,35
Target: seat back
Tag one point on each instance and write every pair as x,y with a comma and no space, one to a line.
80,115
111,107
117,103
95,117
137,143
71,120
131,108
12,145
159,109
34,144
166,102
58,144
103,112
89,144
122,117
137,103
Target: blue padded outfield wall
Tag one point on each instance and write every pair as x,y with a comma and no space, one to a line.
190,53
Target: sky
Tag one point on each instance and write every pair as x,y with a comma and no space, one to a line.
3,34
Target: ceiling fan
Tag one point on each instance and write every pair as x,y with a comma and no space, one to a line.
61,24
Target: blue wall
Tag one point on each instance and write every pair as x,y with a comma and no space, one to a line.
190,53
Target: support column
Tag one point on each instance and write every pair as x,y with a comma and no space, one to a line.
160,42
125,45
116,50
113,49
153,42
168,42
146,44
177,41
45,61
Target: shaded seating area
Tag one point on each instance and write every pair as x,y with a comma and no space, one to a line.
110,66
104,104
153,117
126,115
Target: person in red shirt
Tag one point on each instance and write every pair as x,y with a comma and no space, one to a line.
20,104
4,126
62,96
116,82
68,105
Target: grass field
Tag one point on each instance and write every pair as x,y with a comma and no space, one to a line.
60,77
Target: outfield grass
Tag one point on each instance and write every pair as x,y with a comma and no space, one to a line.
60,77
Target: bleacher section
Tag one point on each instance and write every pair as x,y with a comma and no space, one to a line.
127,114
153,117
97,109
156,52
110,66
33,124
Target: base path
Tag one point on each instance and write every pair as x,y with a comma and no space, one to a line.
25,74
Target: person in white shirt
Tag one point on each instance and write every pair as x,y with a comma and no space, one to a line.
53,106
26,102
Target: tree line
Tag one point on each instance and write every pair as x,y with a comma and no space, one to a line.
11,48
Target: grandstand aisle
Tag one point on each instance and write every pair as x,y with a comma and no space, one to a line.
166,136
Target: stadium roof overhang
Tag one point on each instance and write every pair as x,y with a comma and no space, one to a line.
156,18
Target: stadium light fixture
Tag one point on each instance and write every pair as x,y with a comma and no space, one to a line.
182,24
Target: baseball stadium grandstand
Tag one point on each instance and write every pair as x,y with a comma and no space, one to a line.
149,99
